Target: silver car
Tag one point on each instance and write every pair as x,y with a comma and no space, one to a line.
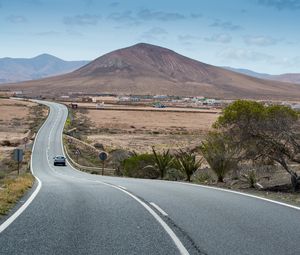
59,161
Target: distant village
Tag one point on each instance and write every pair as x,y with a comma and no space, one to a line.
156,101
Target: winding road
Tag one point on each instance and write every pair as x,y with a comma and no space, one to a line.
72,212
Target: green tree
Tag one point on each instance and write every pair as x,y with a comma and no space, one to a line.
219,153
263,132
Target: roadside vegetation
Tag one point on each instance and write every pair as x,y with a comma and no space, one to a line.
30,118
251,147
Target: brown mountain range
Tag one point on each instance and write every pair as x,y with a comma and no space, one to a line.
147,69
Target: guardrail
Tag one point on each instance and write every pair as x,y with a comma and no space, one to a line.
107,171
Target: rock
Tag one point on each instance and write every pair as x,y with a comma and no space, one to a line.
99,146
258,186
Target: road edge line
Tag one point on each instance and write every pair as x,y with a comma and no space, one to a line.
241,193
17,213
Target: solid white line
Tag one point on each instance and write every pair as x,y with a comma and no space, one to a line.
13,217
159,209
241,193
122,187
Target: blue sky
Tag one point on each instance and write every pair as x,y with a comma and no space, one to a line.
261,35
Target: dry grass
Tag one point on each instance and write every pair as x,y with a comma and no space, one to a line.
151,121
12,189
140,130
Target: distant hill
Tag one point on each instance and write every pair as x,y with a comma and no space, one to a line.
45,65
148,69
288,77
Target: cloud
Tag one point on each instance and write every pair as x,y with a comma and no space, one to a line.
287,61
114,4
225,25
281,4
16,19
260,40
82,20
188,37
196,15
155,33
123,17
219,38
244,55
147,14
88,2
47,33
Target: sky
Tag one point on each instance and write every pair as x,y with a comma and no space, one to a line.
260,35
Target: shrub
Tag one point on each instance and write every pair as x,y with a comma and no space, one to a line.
138,166
219,154
250,178
187,163
162,161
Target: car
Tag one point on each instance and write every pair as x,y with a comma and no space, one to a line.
59,160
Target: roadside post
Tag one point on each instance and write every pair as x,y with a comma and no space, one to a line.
25,140
77,153
18,156
103,157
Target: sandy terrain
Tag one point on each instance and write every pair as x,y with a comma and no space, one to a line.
135,130
14,121
11,109
164,121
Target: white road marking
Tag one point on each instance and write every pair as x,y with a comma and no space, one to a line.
122,187
159,209
241,193
165,226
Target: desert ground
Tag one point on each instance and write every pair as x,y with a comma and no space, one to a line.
14,119
18,119
140,130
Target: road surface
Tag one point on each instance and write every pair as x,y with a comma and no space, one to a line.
78,213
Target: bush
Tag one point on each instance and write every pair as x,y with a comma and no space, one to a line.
162,161
250,178
174,174
138,166
6,143
187,163
219,154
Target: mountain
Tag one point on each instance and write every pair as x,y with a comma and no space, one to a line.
148,69
288,77
45,65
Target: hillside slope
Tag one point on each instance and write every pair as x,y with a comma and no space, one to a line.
148,69
45,65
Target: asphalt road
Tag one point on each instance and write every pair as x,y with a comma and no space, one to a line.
77,213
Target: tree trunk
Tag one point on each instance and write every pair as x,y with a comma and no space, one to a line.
295,180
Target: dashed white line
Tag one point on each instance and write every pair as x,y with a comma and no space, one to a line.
159,209
170,232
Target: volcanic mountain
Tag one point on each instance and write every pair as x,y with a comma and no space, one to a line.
147,69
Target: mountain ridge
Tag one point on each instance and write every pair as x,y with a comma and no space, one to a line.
285,77
43,65
149,69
